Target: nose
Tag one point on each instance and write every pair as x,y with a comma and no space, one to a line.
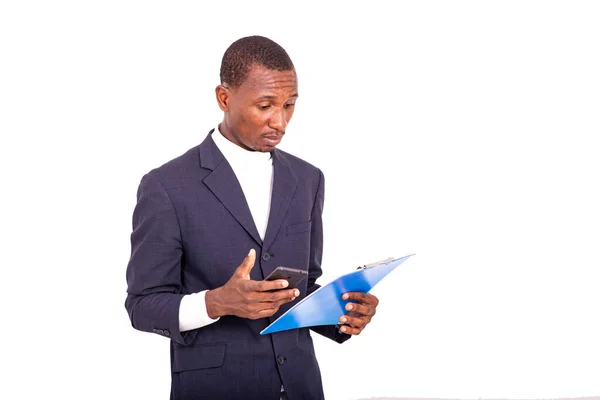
278,120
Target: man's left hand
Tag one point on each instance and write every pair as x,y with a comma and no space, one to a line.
359,314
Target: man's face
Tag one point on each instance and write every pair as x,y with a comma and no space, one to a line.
257,112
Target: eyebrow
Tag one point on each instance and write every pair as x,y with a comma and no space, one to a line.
268,97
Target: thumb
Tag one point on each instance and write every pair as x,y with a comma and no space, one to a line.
243,271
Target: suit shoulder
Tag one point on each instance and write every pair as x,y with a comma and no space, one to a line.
298,164
185,165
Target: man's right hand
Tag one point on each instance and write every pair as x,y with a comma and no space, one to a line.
246,298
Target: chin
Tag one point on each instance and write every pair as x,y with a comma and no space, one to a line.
264,148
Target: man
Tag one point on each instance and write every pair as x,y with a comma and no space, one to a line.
235,197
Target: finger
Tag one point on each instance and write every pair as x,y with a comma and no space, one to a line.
266,313
243,270
265,307
365,298
257,307
257,310
361,309
265,286
350,330
355,321
251,295
273,306
279,295
262,313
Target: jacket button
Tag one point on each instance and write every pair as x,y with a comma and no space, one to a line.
266,257
280,360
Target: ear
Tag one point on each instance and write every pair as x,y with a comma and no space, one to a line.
223,97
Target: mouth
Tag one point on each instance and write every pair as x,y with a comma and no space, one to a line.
272,139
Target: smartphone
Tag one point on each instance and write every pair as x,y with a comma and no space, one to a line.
293,276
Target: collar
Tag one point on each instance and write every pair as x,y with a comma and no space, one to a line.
236,154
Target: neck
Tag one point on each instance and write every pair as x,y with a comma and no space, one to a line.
223,127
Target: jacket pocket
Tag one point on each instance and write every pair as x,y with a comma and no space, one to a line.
201,357
298,228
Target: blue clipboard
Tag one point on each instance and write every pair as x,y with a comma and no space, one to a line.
325,305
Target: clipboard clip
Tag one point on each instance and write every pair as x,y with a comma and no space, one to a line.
387,260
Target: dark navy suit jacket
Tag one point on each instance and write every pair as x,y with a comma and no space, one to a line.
191,229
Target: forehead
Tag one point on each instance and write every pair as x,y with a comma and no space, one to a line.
262,81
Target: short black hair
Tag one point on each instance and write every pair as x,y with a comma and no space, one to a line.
248,51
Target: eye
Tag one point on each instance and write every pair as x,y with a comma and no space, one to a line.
264,107
290,105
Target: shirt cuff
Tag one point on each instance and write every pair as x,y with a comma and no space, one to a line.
192,312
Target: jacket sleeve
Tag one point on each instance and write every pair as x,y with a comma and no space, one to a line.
154,269
316,255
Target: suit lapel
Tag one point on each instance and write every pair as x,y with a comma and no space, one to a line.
223,183
284,186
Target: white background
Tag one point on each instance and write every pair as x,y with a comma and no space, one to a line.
464,132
